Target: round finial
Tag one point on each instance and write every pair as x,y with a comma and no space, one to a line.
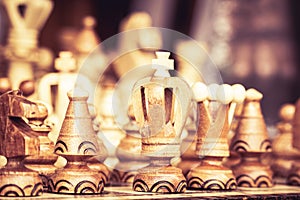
65,62
89,22
253,95
212,91
200,91
287,111
224,93
78,94
239,93
5,85
27,87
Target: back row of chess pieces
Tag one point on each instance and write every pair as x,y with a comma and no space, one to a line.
224,148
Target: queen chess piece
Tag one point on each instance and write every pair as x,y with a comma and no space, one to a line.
77,143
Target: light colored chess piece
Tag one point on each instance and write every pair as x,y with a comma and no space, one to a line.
64,80
22,51
161,105
137,43
213,105
251,142
284,154
77,143
22,134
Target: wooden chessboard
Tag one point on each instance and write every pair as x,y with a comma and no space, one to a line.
276,192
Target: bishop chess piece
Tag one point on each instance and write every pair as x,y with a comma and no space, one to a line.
22,51
251,142
284,154
22,134
160,106
213,105
77,143
294,174
129,154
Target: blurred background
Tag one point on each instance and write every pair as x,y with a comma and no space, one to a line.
255,42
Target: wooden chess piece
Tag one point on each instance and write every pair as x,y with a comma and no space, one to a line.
251,141
22,133
137,43
214,103
62,81
283,152
294,174
26,18
161,105
77,143
129,154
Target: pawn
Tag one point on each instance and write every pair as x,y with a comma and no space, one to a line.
5,85
77,143
129,154
284,153
251,142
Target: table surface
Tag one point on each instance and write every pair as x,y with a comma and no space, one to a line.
125,192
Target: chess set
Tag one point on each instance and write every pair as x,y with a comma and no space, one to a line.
59,138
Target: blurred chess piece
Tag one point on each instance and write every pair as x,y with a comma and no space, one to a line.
129,154
215,103
5,85
161,105
22,134
284,154
137,43
26,17
53,88
77,143
251,142
294,174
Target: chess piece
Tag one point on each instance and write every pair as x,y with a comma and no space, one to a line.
294,174
283,152
129,154
63,80
161,104
137,43
26,18
77,143
213,105
5,85
251,141
22,134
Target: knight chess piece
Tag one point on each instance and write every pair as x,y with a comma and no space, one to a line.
22,135
77,143
161,104
129,154
213,105
251,142
284,154
294,174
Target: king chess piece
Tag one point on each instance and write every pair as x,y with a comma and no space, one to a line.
213,105
22,134
284,154
161,104
129,154
251,142
294,174
77,143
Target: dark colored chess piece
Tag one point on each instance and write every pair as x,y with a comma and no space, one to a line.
77,143
213,105
294,174
160,106
284,154
22,134
129,154
251,142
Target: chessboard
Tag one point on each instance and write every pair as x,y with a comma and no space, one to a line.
125,192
